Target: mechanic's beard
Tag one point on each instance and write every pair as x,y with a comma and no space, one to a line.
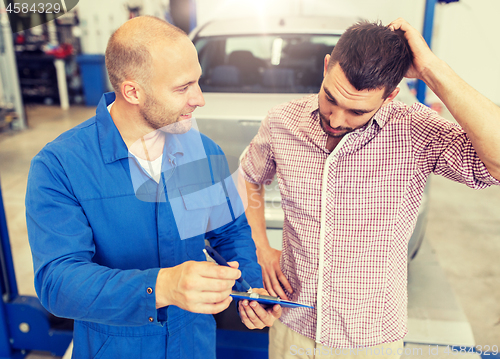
150,114
178,127
153,115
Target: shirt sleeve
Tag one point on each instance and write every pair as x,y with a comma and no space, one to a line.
68,283
234,243
443,148
258,164
233,240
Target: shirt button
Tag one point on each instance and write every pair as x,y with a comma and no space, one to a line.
151,319
150,290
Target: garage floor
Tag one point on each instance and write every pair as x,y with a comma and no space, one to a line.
454,283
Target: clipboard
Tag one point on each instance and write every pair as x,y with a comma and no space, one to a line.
266,299
263,299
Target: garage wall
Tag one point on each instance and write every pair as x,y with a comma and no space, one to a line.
467,37
385,10
100,18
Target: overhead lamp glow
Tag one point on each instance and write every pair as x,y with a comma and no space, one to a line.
255,7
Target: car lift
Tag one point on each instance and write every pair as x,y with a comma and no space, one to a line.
24,324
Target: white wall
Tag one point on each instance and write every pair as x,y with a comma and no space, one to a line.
467,37
384,10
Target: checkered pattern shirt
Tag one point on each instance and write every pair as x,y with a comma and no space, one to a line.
349,214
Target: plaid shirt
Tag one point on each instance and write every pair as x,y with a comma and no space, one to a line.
349,214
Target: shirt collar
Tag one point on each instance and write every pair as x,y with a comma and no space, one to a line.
313,104
311,115
113,147
172,146
382,116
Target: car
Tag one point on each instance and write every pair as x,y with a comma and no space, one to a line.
250,65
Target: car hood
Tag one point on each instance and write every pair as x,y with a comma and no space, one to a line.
241,106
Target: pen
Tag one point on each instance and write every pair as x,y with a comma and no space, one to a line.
221,261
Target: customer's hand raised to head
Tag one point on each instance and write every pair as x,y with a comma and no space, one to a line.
423,57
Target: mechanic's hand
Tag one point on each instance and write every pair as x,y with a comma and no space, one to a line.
254,315
423,57
199,287
269,260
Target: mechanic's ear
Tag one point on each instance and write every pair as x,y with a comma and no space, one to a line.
130,92
391,97
327,59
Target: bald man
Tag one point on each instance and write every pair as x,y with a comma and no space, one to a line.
120,207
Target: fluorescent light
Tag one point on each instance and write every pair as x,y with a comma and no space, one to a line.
276,51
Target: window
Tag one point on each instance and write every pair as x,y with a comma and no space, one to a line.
264,63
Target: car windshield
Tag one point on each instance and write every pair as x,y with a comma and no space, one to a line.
263,63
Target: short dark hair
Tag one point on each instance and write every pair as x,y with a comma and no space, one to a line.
372,56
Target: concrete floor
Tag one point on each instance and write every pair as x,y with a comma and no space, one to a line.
463,229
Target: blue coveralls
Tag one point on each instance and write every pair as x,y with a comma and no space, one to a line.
100,229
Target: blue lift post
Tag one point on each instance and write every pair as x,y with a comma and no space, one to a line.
24,324
430,6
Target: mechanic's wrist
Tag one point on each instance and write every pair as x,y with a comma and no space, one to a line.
161,289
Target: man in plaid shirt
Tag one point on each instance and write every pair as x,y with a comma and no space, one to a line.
351,165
